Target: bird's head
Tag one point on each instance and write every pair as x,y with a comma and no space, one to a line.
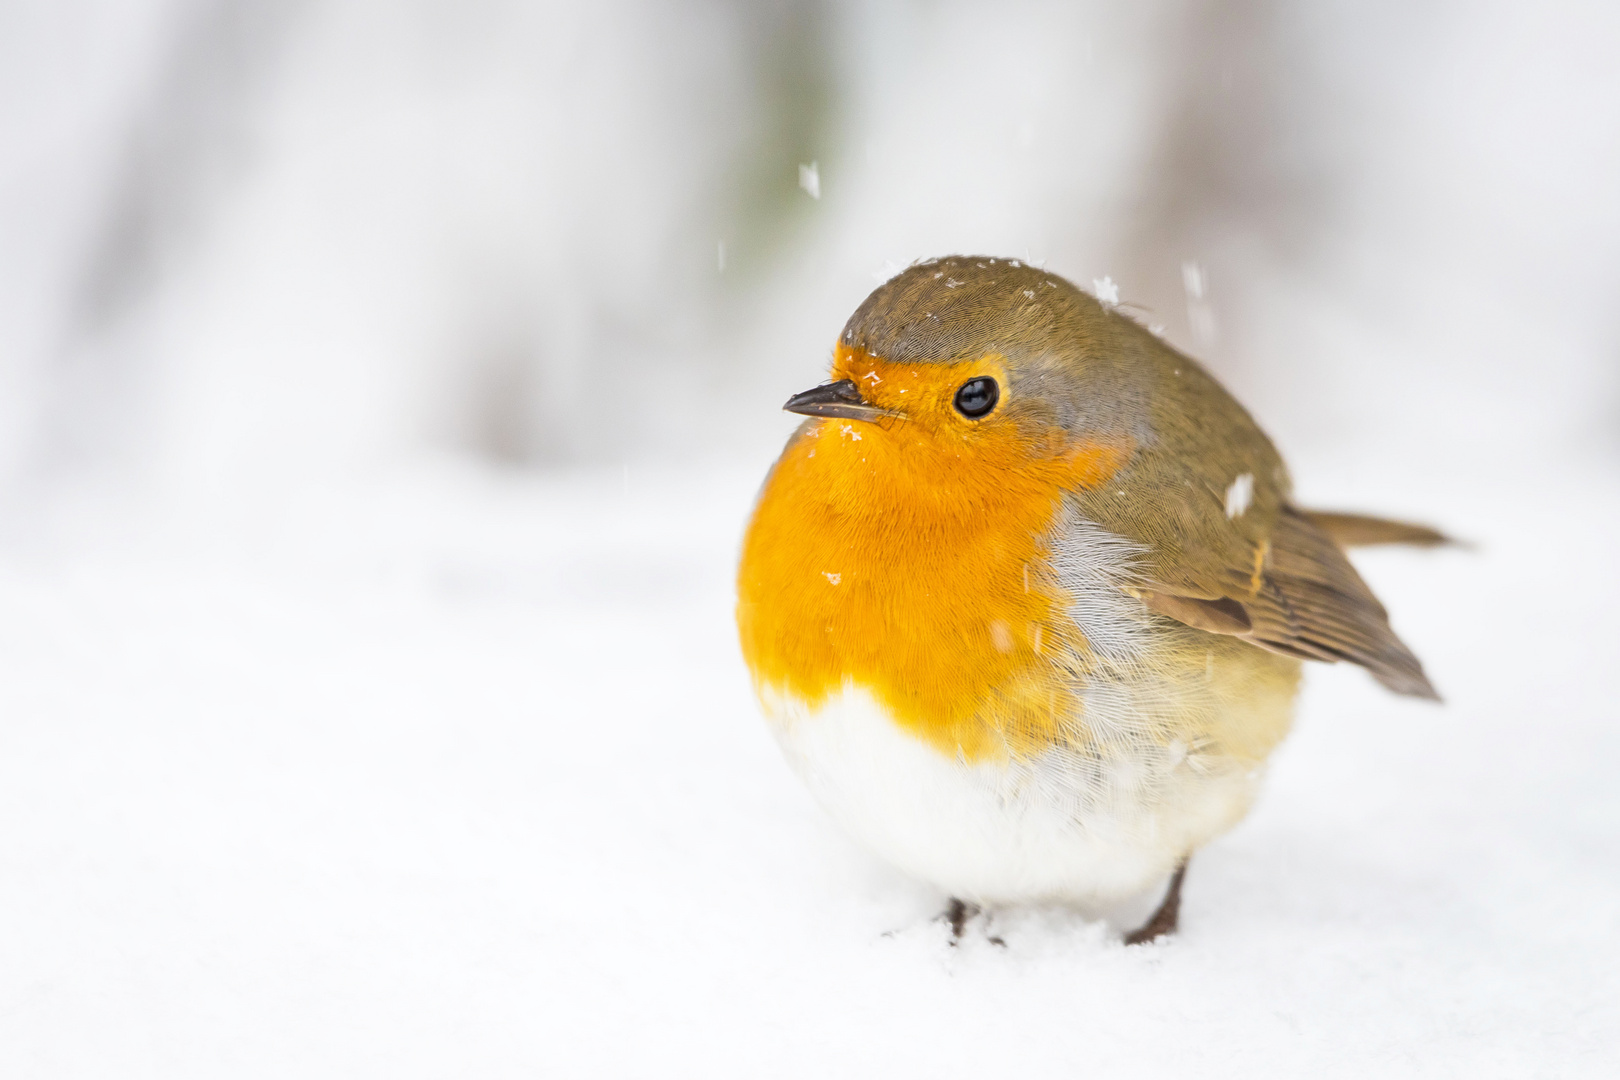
967,371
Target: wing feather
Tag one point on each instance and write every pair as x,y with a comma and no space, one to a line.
1303,598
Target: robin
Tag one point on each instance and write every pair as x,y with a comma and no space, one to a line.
1025,598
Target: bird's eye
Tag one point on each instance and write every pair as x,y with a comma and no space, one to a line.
977,397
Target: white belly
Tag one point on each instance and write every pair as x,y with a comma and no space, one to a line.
1068,826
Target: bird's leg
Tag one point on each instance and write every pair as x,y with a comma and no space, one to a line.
1163,921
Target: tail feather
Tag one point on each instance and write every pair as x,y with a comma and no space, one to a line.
1362,530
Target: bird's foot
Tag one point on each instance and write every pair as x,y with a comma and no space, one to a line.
1163,921
957,915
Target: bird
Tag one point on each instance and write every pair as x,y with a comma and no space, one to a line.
1025,598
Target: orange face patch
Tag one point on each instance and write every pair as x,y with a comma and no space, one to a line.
907,557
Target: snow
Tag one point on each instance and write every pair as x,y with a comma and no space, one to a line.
810,179
1192,280
456,771
1238,494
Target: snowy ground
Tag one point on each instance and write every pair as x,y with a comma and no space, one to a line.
459,775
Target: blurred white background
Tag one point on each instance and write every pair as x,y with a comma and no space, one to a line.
383,386
247,241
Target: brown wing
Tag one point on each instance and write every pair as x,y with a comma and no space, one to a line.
1362,530
1301,597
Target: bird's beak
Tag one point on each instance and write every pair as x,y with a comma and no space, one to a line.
841,399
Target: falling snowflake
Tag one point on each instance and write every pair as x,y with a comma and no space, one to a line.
1239,494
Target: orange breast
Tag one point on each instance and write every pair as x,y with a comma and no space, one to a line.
914,566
